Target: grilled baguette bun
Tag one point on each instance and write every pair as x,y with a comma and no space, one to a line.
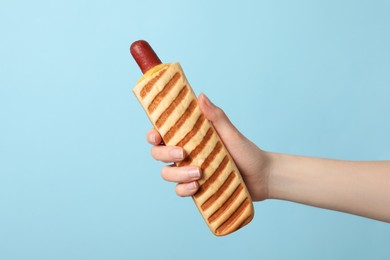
171,105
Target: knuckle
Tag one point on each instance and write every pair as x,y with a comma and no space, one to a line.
220,113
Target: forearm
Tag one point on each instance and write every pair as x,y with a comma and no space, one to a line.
360,188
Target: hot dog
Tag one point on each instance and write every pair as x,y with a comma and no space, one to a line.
144,55
171,105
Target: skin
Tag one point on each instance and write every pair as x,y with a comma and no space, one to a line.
356,187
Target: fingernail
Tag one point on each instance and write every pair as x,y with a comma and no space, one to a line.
194,173
177,153
191,185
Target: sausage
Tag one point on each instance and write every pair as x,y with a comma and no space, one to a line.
144,55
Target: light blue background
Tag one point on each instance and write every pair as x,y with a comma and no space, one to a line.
76,177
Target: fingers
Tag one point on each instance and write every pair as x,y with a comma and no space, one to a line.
187,189
181,174
168,153
187,178
161,152
153,137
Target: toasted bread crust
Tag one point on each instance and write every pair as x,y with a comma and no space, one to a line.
171,105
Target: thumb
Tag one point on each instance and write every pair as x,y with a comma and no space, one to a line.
226,130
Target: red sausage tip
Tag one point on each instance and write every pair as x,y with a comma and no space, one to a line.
144,55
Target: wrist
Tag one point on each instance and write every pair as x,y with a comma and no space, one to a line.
264,171
278,179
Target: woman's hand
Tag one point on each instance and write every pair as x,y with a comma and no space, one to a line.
356,187
252,162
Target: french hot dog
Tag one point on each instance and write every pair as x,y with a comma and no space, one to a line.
171,105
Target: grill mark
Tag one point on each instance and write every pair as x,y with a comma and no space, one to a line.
163,117
226,205
246,221
193,131
233,218
161,95
183,118
217,194
188,160
203,188
212,155
146,89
